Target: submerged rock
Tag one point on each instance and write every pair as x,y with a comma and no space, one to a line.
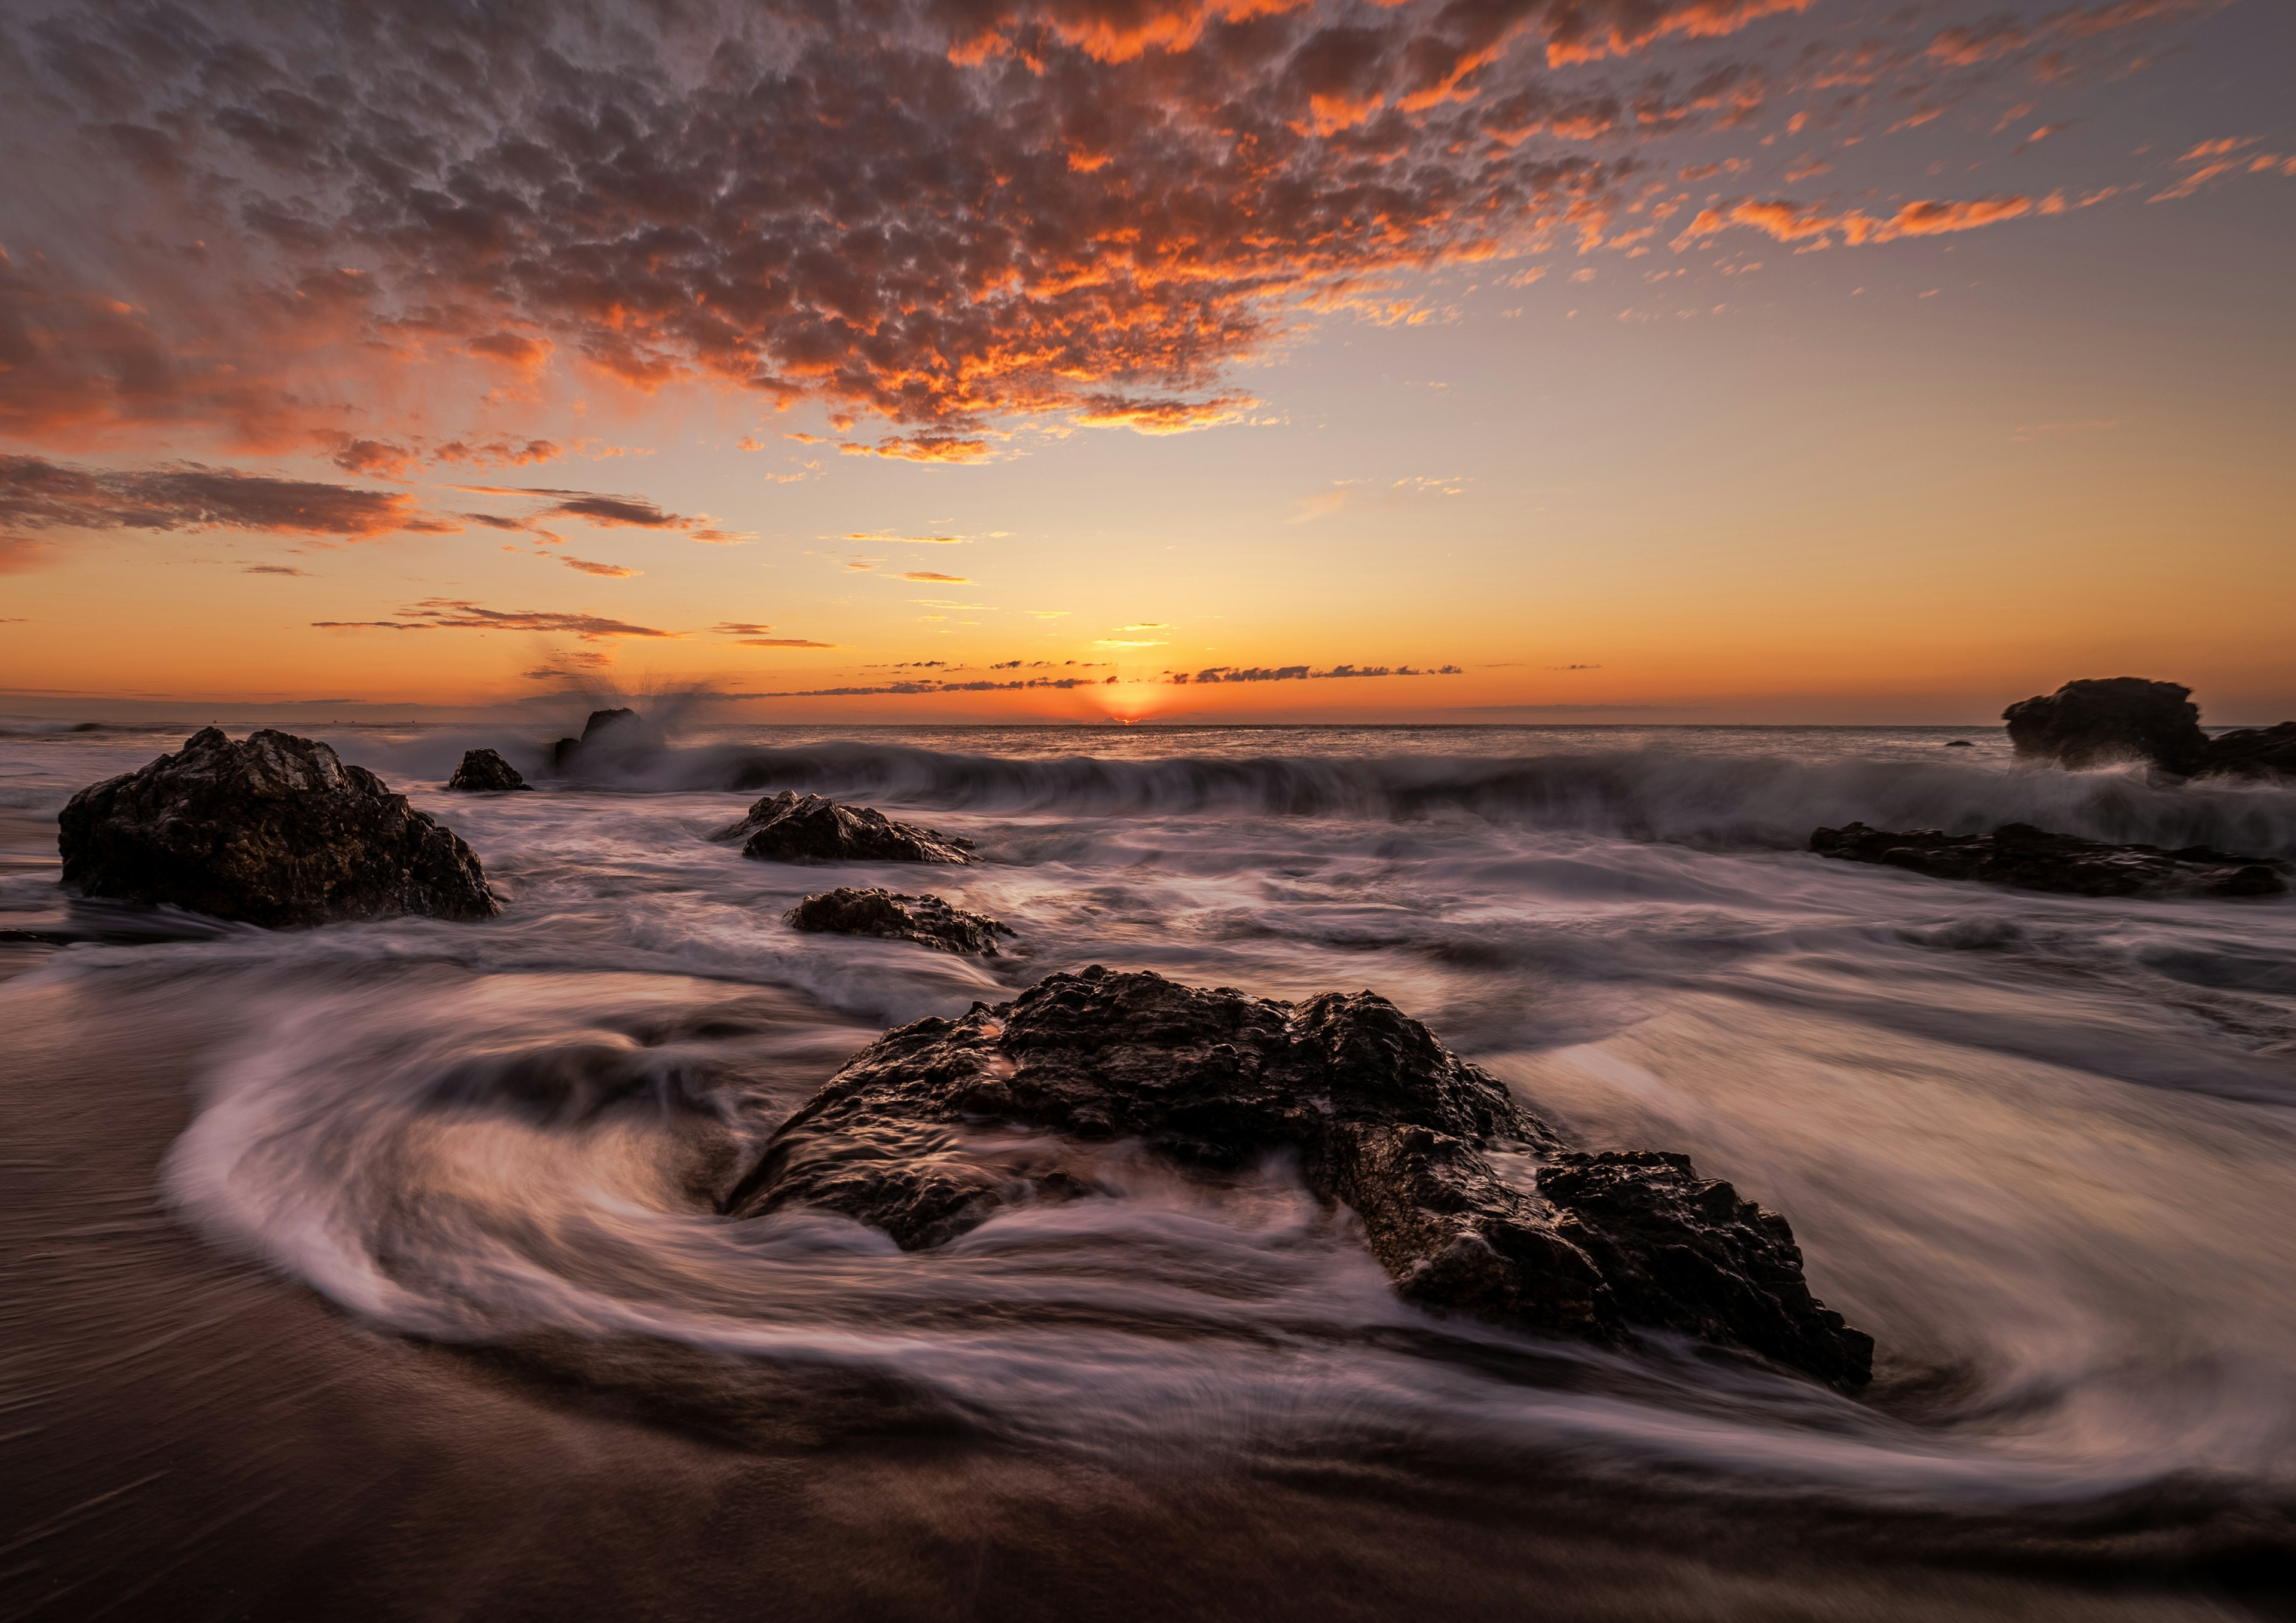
2252,752
483,771
1383,1118
273,831
2018,854
1959,743
926,920
790,827
2097,722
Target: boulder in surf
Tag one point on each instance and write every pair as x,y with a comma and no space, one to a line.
927,920
1383,1119
2252,752
2099,722
2018,854
271,830
616,732
790,827
484,772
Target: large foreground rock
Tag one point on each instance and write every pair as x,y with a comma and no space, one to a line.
1382,1117
484,772
2252,752
790,827
2097,723
926,920
274,831
2018,854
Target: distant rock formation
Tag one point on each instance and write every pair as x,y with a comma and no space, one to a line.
1959,743
2095,723
484,772
1383,1118
790,827
607,732
2252,752
274,831
2021,854
926,920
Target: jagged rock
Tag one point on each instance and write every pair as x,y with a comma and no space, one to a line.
1382,1117
483,771
619,731
2018,854
926,920
2095,723
273,831
2252,752
790,827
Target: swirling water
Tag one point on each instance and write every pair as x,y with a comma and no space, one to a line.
2039,1146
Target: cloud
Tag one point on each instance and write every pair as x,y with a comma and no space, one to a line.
887,535
1058,683
783,642
1301,673
454,614
273,568
932,575
1793,222
614,571
947,214
37,495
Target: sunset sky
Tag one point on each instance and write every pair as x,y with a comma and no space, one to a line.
1768,360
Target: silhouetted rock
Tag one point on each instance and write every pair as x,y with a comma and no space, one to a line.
483,771
1959,743
1382,1117
926,920
790,827
619,731
274,831
2117,718
2252,752
2018,854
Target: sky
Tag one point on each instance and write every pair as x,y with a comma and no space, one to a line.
1164,360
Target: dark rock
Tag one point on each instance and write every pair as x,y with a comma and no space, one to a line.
275,831
1960,744
483,771
2018,854
926,920
2097,723
1382,1117
2252,752
619,731
790,827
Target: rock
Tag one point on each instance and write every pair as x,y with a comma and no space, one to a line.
2118,719
790,827
2252,752
621,731
2018,854
483,771
1382,1117
926,920
274,831
1960,744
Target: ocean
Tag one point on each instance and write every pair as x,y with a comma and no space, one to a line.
375,1271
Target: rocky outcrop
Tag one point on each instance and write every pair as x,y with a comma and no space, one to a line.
1383,1118
790,827
272,830
2252,752
484,772
2018,854
926,920
619,731
2097,723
